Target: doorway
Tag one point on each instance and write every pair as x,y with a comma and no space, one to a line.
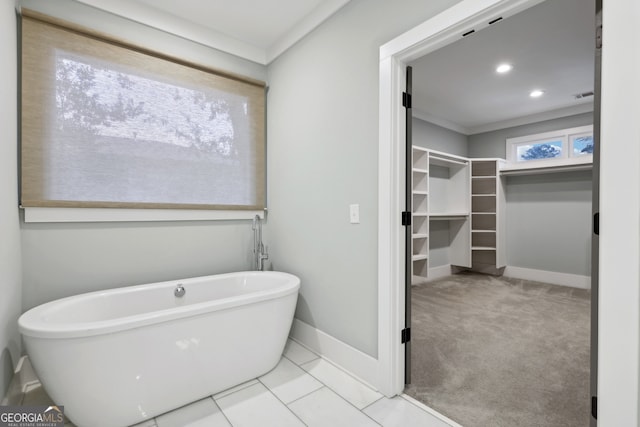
390,72
491,350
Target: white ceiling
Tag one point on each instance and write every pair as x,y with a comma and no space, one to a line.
551,47
257,30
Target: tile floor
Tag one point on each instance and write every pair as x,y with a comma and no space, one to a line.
303,390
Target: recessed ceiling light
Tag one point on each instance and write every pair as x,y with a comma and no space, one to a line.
537,93
504,68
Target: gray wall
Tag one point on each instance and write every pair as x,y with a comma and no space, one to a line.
549,222
65,259
434,137
548,216
10,280
323,156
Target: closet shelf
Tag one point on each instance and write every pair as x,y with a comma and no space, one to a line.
420,170
483,195
420,192
420,235
483,248
533,170
483,231
446,161
448,216
420,257
420,214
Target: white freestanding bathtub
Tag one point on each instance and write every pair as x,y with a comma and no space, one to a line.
118,357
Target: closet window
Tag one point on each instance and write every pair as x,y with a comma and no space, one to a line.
110,125
581,145
536,150
561,147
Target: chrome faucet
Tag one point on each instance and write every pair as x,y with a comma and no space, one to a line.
259,250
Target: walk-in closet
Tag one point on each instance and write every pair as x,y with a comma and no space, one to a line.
502,170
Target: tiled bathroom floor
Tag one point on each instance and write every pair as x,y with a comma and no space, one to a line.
303,390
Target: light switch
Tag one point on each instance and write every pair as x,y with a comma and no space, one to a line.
354,214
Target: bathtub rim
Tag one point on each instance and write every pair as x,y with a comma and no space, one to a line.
32,325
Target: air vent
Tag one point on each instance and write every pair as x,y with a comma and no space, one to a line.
583,95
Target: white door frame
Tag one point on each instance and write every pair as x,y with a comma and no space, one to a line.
433,34
619,307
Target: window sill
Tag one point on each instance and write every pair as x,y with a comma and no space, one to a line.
132,215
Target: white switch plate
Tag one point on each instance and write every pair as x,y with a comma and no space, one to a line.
354,214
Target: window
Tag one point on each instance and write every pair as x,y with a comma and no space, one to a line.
108,125
539,150
563,147
581,145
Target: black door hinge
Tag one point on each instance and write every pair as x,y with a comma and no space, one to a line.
596,223
594,407
406,100
406,218
406,335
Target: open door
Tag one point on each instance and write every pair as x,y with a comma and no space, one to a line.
406,222
596,219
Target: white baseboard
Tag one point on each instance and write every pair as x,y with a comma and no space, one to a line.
438,272
552,277
350,359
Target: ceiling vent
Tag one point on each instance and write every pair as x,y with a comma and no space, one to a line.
583,95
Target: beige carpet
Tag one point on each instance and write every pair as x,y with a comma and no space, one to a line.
499,352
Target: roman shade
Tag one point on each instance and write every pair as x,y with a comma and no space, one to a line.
108,124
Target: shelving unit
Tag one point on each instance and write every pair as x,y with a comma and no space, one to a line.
487,216
449,182
420,215
441,192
